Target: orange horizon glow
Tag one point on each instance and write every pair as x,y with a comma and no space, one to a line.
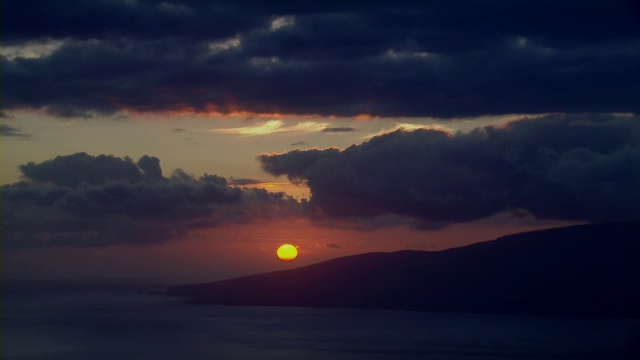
210,110
364,116
182,109
189,111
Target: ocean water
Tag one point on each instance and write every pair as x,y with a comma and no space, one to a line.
69,322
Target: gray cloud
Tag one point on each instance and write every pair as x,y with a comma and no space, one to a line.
338,129
6,130
82,200
245,181
573,167
396,59
73,170
150,166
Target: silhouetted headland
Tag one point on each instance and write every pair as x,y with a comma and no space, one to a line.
585,270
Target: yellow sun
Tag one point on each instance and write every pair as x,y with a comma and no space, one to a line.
287,252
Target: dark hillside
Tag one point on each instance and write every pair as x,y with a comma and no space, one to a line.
586,270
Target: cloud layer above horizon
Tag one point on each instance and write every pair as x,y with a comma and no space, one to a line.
83,200
565,167
556,167
374,78
439,58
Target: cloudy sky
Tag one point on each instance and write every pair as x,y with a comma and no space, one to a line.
188,139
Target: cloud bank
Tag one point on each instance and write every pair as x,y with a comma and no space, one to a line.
436,58
564,167
84,200
569,167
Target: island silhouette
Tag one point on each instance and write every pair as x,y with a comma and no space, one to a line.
584,270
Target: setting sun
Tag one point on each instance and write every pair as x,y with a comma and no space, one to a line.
287,252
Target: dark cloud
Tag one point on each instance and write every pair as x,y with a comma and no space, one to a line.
572,167
76,169
150,166
82,200
146,19
245,181
6,130
332,246
395,59
299,143
338,129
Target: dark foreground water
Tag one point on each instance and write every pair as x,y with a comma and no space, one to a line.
123,322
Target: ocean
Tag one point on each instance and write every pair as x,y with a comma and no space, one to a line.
47,321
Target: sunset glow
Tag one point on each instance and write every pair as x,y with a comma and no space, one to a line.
211,127
326,180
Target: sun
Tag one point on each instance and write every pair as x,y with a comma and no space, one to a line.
287,252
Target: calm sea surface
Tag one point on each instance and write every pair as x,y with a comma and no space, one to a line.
124,322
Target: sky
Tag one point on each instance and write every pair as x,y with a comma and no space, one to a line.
186,140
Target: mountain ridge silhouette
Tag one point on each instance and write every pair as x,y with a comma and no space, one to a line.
582,270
